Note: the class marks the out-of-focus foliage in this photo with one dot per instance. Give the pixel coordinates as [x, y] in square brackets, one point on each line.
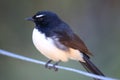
[97, 22]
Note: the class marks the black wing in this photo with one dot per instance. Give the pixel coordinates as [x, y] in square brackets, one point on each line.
[70, 39]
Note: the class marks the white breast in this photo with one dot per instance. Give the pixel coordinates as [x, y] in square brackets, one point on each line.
[47, 47]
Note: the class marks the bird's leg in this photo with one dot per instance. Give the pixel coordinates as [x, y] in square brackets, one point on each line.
[54, 66]
[46, 65]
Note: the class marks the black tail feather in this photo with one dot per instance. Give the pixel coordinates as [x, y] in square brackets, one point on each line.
[90, 67]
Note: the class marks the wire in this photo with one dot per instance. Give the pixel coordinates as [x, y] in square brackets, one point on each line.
[13, 55]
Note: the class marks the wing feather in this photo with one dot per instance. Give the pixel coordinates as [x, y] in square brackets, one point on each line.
[73, 41]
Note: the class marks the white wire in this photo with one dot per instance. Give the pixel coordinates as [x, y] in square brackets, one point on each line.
[13, 55]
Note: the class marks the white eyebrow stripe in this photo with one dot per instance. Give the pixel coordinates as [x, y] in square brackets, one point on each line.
[38, 16]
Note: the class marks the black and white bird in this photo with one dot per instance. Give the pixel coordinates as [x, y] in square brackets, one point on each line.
[55, 40]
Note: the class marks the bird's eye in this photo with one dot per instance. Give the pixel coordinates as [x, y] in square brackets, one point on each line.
[39, 17]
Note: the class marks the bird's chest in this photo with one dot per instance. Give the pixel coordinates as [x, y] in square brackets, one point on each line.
[47, 46]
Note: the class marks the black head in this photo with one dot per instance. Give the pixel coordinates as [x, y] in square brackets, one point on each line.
[45, 18]
[49, 23]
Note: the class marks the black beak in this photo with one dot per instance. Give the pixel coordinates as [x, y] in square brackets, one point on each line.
[29, 19]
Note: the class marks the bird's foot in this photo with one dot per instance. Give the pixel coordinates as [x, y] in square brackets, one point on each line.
[46, 65]
[54, 65]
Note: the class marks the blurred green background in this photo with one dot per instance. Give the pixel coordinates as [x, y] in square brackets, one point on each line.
[97, 22]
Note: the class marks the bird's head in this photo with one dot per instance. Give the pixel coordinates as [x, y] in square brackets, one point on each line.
[45, 18]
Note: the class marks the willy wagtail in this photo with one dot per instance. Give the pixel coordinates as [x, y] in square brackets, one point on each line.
[55, 40]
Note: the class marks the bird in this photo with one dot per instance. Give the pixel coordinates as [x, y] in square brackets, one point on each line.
[54, 38]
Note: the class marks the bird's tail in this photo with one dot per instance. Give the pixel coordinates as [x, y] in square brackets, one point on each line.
[90, 67]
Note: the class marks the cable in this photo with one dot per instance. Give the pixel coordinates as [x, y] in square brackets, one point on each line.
[13, 55]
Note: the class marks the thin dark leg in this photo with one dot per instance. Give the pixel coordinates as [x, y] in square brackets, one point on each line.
[54, 66]
[46, 65]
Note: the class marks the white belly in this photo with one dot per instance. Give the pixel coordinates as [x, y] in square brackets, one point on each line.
[47, 47]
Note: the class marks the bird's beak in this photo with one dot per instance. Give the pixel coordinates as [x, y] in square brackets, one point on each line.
[29, 19]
